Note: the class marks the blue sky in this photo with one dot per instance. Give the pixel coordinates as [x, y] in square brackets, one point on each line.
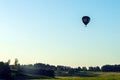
[51, 31]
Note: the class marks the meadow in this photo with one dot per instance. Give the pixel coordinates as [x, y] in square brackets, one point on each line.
[101, 76]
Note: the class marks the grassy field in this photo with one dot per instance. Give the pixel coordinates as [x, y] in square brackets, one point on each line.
[101, 76]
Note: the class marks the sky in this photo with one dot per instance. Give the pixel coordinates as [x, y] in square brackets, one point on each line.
[51, 32]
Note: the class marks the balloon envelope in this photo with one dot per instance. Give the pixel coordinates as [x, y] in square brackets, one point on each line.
[86, 19]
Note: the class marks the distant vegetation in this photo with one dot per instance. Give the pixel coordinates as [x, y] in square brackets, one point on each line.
[40, 70]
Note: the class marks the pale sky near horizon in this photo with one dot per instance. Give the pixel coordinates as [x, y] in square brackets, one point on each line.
[51, 32]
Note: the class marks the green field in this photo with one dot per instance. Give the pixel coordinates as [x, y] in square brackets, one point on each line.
[101, 76]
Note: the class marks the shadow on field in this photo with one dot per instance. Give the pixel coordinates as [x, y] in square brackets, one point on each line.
[87, 74]
[79, 74]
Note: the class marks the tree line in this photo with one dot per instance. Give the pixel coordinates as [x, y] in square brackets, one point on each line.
[12, 72]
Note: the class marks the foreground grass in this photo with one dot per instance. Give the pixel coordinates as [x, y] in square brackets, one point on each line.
[101, 76]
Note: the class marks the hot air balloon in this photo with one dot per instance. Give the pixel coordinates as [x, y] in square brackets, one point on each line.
[85, 20]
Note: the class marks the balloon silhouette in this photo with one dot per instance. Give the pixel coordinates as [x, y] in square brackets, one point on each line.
[85, 20]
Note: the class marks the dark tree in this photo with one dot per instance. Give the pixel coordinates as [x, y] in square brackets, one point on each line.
[5, 72]
[97, 68]
[84, 69]
[111, 68]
